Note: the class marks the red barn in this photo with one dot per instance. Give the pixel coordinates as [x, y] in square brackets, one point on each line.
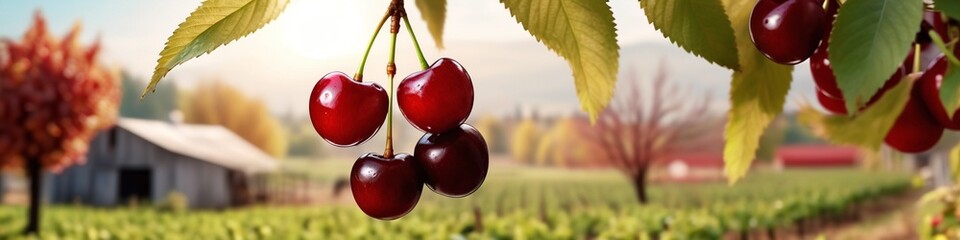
[817, 156]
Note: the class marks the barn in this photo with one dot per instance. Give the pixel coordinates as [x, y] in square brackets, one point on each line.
[817, 156]
[146, 160]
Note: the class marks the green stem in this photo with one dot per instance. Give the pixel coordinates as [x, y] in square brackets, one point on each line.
[416, 44]
[391, 73]
[944, 47]
[363, 62]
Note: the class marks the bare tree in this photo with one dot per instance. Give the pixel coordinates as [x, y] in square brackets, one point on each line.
[640, 128]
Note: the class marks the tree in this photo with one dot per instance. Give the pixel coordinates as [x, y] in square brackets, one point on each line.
[220, 104]
[303, 141]
[642, 127]
[523, 141]
[564, 145]
[771, 139]
[158, 107]
[492, 130]
[54, 97]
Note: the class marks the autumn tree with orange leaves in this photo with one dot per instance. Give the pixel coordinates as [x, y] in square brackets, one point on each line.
[54, 97]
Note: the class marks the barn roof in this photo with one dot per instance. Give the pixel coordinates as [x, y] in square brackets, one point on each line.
[817, 156]
[210, 143]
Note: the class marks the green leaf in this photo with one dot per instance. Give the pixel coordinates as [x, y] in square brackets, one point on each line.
[213, 24]
[583, 33]
[937, 40]
[950, 90]
[434, 12]
[870, 127]
[699, 26]
[949, 7]
[950, 84]
[757, 94]
[870, 40]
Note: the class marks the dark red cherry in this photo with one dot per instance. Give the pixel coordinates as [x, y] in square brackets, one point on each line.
[820, 63]
[916, 129]
[932, 20]
[386, 188]
[454, 162]
[437, 99]
[930, 87]
[834, 105]
[824, 79]
[787, 31]
[346, 112]
[837, 105]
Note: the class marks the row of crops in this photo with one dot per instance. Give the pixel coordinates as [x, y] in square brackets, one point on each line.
[513, 204]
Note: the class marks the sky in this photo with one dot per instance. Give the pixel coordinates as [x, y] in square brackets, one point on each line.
[280, 63]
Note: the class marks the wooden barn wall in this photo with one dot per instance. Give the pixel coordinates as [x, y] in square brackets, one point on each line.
[97, 181]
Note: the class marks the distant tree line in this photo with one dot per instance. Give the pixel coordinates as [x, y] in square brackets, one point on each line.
[215, 103]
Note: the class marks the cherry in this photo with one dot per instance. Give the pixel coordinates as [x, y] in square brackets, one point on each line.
[834, 105]
[437, 99]
[929, 52]
[916, 129]
[837, 105]
[386, 188]
[346, 112]
[787, 31]
[930, 87]
[820, 63]
[454, 162]
[932, 20]
[827, 83]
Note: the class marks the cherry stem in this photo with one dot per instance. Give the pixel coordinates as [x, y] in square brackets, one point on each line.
[363, 62]
[916, 58]
[416, 44]
[945, 47]
[396, 7]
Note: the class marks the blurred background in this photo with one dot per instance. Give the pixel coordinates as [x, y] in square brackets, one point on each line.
[226, 143]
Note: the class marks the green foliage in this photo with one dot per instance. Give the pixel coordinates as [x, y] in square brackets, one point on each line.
[949, 7]
[867, 129]
[434, 12]
[699, 26]
[797, 133]
[174, 202]
[303, 141]
[213, 24]
[159, 106]
[757, 94]
[771, 139]
[583, 33]
[869, 42]
[545, 204]
[950, 90]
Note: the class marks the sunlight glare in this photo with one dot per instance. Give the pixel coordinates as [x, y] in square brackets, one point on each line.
[324, 29]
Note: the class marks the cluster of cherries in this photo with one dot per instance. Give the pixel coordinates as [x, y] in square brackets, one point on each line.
[791, 31]
[451, 158]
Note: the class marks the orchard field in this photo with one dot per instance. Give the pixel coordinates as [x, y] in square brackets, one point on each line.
[514, 203]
